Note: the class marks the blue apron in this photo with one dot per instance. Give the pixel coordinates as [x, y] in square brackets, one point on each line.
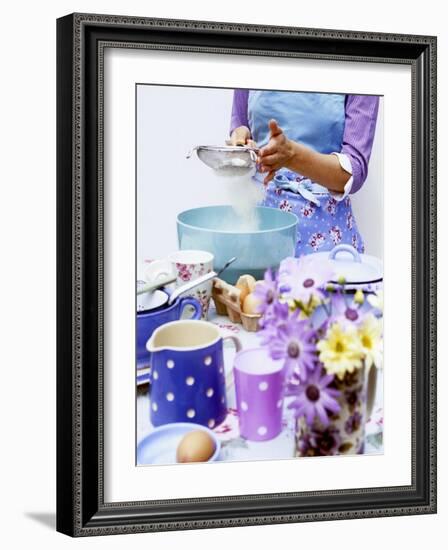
[317, 121]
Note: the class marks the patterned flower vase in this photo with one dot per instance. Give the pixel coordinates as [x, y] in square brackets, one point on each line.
[344, 435]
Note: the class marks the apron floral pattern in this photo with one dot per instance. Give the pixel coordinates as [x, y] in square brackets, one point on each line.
[324, 221]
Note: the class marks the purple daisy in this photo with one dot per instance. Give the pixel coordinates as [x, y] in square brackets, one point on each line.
[274, 318]
[293, 341]
[314, 397]
[301, 278]
[344, 309]
[340, 307]
[266, 292]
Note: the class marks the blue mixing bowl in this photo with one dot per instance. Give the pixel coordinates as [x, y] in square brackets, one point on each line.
[219, 230]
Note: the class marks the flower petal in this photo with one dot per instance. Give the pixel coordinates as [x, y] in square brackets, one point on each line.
[321, 413]
[310, 413]
[330, 404]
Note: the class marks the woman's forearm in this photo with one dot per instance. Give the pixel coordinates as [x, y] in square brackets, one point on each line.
[321, 168]
[281, 152]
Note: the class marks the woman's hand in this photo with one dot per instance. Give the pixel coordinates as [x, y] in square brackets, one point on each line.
[241, 136]
[277, 153]
[281, 152]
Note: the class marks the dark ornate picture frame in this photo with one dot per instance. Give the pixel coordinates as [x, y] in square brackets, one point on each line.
[81, 40]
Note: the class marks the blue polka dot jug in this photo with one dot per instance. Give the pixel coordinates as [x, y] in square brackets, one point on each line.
[187, 373]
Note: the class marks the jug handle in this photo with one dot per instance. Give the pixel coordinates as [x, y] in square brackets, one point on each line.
[371, 390]
[189, 301]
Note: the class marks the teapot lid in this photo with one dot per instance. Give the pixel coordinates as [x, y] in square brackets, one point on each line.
[355, 268]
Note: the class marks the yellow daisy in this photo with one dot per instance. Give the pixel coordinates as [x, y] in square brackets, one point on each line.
[340, 351]
[370, 336]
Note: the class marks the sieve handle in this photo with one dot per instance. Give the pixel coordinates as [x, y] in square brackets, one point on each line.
[188, 155]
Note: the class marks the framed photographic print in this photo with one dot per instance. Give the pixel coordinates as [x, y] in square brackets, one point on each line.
[246, 274]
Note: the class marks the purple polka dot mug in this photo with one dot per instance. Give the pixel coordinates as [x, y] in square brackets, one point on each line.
[259, 394]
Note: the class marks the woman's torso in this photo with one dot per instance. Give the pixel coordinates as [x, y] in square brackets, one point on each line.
[317, 121]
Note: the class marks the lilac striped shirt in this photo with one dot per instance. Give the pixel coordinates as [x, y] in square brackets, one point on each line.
[359, 131]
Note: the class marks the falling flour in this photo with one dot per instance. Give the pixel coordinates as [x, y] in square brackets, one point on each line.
[233, 167]
[243, 195]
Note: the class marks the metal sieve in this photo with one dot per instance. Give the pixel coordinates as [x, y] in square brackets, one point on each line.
[227, 160]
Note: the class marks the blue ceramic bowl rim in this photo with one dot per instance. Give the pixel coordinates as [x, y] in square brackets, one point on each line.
[294, 221]
[194, 427]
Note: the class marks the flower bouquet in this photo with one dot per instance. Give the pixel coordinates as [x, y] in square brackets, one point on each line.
[330, 340]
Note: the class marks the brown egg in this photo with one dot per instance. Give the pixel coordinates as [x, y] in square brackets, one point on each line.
[245, 284]
[251, 304]
[195, 446]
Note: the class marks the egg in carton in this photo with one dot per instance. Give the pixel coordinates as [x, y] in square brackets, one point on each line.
[237, 302]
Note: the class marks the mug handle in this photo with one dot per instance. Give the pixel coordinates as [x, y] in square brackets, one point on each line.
[226, 335]
[371, 390]
[236, 341]
[189, 301]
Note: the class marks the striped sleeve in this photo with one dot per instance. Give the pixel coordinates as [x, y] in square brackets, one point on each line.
[361, 112]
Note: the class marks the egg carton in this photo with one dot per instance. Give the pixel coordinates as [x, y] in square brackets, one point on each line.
[227, 300]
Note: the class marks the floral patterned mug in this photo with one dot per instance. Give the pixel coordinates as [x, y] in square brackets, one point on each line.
[345, 432]
[189, 265]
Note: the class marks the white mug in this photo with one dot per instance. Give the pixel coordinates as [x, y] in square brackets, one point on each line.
[189, 265]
